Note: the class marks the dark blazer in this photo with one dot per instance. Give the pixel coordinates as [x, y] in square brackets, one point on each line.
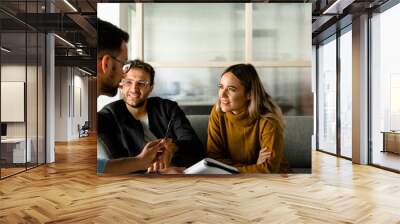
[123, 135]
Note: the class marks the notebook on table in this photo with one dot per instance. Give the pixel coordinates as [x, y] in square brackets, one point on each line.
[210, 166]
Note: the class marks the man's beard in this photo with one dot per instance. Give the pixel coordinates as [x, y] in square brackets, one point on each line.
[136, 106]
[109, 90]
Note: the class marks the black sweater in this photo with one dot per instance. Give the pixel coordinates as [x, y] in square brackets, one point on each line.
[123, 135]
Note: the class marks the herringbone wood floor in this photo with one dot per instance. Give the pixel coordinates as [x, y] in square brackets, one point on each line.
[69, 191]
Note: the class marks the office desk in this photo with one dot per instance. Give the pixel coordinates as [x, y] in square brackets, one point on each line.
[13, 150]
[391, 141]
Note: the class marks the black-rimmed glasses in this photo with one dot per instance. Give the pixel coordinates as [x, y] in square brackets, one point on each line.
[126, 65]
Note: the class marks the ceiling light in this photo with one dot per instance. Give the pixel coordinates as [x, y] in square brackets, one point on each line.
[5, 50]
[331, 7]
[65, 41]
[338, 6]
[70, 5]
[80, 51]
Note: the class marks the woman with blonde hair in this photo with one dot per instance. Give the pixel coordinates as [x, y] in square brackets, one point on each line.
[246, 127]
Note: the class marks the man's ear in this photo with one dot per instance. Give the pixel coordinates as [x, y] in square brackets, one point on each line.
[106, 64]
[151, 88]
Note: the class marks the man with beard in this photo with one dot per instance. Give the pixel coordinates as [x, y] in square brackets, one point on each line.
[137, 120]
[112, 55]
[111, 64]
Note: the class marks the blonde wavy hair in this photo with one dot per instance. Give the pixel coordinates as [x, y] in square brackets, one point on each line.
[261, 103]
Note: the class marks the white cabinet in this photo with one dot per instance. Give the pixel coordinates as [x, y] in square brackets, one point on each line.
[16, 147]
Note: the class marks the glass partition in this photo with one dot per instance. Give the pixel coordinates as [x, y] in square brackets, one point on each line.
[41, 97]
[31, 98]
[194, 32]
[287, 38]
[189, 51]
[346, 94]
[290, 88]
[22, 92]
[327, 96]
[385, 89]
[189, 86]
[133, 31]
[14, 153]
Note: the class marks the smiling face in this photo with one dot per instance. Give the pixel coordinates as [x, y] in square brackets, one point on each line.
[136, 87]
[231, 94]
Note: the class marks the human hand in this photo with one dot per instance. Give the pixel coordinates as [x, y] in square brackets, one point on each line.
[172, 170]
[164, 157]
[263, 155]
[149, 152]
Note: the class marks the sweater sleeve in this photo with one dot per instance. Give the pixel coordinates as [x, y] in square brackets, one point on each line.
[272, 138]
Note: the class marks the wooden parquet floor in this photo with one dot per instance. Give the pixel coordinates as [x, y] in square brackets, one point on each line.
[69, 191]
[10, 171]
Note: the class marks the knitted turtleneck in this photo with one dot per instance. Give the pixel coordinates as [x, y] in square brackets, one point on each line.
[235, 139]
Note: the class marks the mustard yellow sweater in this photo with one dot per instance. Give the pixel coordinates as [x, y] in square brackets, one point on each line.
[236, 140]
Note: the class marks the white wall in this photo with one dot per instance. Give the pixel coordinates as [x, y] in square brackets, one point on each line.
[17, 73]
[61, 107]
[33, 127]
[80, 102]
[14, 73]
[71, 97]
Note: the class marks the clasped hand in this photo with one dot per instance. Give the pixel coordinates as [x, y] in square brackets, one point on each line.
[263, 155]
[164, 155]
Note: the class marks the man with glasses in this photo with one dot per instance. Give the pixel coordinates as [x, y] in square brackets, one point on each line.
[111, 64]
[138, 119]
[111, 57]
